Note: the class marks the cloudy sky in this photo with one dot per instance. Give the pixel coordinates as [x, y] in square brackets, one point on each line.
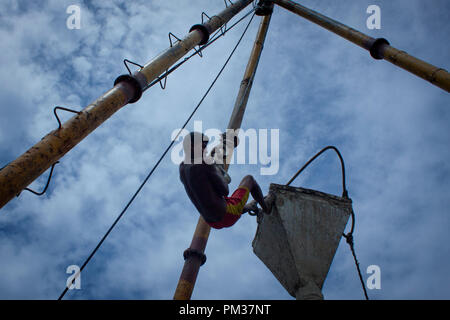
[391, 127]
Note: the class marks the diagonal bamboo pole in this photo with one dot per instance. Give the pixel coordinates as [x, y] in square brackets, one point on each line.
[194, 256]
[379, 48]
[19, 173]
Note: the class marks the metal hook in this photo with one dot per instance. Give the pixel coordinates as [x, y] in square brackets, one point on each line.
[125, 61]
[226, 2]
[171, 35]
[163, 86]
[170, 38]
[222, 29]
[205, 15]
[65, 109]
[199, 52]
[46, 186]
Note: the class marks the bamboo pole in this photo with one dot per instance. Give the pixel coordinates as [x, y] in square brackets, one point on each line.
[19, 173]
[379, 48]
[194, 255]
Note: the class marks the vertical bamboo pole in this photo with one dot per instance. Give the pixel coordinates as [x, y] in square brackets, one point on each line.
[194, 256]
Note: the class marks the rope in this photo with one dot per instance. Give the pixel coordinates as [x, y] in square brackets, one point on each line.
[160, 159]
[349, 236]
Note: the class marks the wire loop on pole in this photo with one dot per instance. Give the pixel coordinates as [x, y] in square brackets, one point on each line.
[126, 61]
[46, 185]
[65, 109]
[226, 2]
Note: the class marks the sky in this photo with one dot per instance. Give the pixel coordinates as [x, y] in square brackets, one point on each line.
[316, 88]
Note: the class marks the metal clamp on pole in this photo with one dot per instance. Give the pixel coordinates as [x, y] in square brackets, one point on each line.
[203, 30]
[264, 8]
[196, 253]
[377, 48]
[132, 86]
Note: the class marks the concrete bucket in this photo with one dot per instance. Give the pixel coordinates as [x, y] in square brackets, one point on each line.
[299, 238]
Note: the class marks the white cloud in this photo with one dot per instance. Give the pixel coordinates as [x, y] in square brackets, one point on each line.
[318, 89]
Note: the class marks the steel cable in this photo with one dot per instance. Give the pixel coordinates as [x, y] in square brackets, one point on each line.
[348, 236]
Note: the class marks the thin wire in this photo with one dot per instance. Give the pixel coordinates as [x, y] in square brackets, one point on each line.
[160, 159]
[348, 236]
